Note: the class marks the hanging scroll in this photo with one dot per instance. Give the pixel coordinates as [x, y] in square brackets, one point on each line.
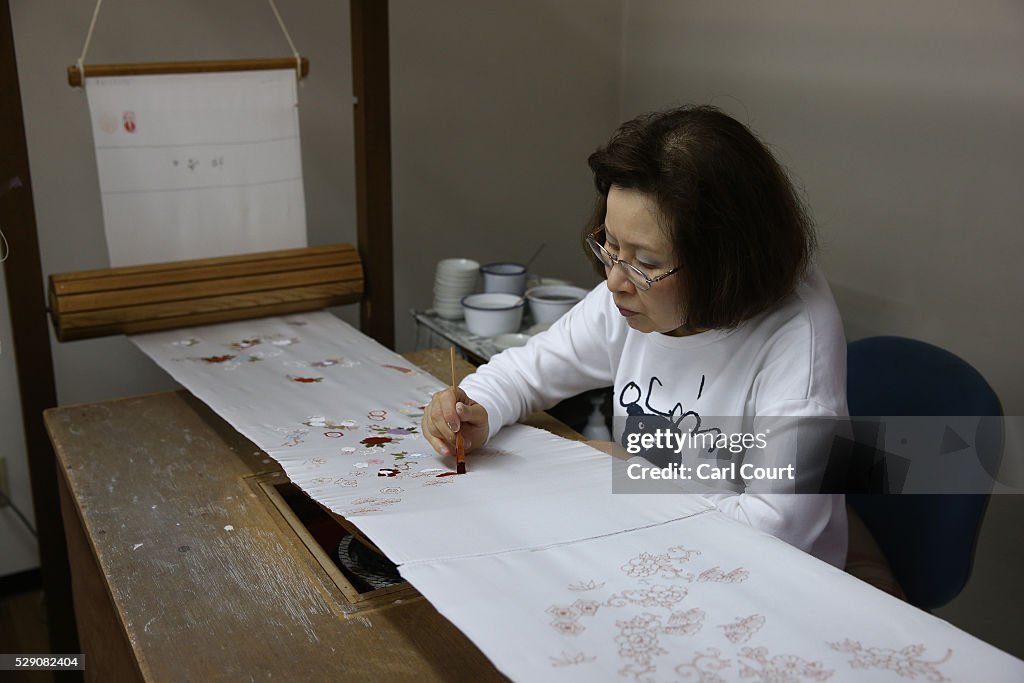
[198, 164]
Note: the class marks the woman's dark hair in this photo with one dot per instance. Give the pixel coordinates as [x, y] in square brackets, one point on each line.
[737, 227]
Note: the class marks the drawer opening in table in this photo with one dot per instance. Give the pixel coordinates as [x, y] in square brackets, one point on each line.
[359, 570]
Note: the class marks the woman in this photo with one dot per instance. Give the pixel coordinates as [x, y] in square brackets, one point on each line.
[710, 307]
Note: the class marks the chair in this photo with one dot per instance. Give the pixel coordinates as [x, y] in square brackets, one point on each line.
[929, 539]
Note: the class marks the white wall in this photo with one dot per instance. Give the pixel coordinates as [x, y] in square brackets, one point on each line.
[903, 123]
[495, 107]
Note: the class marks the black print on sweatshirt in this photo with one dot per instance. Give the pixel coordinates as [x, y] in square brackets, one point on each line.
[647, 419]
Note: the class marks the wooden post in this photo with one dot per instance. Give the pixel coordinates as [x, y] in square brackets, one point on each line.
[373, 165]
[26, 302]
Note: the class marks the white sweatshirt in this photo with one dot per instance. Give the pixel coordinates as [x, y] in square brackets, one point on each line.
[790, 361]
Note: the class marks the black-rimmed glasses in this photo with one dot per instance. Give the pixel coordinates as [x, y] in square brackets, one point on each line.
[639, 278]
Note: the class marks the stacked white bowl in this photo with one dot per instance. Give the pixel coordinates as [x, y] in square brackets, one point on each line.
[454, 279]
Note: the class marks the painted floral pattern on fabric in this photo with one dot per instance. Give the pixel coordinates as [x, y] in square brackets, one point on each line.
[907, 662]
[660, 615]
[644, 638]
[763, 666]
[742, 630]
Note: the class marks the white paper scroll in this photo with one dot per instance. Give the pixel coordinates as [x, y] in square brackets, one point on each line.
[703, 599]
[530, 553]
[198, 165]
[341, 413]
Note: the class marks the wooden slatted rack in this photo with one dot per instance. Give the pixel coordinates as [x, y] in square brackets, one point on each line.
[162, 296]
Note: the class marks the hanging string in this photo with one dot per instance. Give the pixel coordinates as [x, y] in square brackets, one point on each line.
[284, 29]
[273, 6]
[88, 38]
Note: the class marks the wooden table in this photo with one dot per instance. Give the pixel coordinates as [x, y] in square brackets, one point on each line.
[183, 568]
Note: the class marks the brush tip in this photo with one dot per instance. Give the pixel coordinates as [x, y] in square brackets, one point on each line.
[460, 468]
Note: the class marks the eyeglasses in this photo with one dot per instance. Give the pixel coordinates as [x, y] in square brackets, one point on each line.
[638, 277]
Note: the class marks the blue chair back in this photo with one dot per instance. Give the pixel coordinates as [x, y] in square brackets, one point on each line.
[929, 539]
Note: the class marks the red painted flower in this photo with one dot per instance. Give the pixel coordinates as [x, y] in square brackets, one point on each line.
[218, 359]
[376, 441]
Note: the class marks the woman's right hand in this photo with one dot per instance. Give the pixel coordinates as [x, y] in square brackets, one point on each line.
[451, 411]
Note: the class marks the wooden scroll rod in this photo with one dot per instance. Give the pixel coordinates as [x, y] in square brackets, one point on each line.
[75, 75]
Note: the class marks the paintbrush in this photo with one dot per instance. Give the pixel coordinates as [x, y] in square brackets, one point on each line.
[460, 450]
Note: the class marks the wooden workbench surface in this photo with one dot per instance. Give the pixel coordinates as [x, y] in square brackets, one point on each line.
[183, 570]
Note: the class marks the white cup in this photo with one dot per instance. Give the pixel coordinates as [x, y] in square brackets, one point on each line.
[508, 278]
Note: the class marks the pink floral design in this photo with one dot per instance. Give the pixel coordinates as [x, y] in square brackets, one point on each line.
[665, 564]
[654, 596]
[704, 667]
[586, 586]
[374, 500]
[638, 638]
[568, 628]
[906, 663]
[742, 630]
[563, 612]
[716, 575]
[569, 660]
[780, 668]
[586, 608]
[566, 618]
[685, 623]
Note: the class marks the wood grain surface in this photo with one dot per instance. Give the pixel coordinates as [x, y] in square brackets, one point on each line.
[160, 296]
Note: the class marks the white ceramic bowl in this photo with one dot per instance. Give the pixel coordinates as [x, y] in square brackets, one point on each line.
[455, 280]
[549, 303]
[504, 277]
[457, 266]
[491, 314]
[507, 341]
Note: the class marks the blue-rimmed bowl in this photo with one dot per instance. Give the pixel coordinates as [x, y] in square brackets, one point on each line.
[493, 313]
[548, 303]
[504, 277]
